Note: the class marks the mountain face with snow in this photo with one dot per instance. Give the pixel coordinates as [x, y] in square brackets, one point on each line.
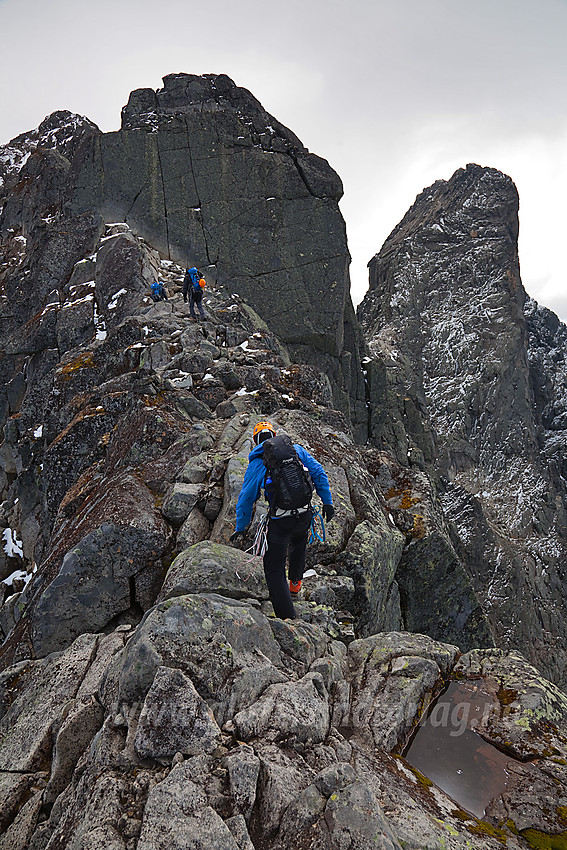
[148, 697]
[476, 382]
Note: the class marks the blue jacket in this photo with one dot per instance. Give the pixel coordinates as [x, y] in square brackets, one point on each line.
[254, 479]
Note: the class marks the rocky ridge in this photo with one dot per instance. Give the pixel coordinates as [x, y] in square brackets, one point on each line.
[148, 697]
[203, 173]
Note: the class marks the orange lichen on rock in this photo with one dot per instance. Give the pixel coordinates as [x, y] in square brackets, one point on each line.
[83, 361]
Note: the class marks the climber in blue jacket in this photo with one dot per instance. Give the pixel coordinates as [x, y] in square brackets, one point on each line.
[287, 530]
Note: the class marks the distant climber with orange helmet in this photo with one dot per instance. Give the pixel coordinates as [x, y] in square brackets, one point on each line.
[288, 473]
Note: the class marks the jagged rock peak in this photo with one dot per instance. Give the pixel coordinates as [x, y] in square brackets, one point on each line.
[473, 375]
[475, 202]
[56, 129]
[182, 91]
[450, 264]
[62, 131]
[190, 92]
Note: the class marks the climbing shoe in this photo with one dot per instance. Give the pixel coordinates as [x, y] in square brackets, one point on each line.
[295, 588]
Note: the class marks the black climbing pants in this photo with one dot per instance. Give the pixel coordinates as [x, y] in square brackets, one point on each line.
[287, 536]
[196, 298]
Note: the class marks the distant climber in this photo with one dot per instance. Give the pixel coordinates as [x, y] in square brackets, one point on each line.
[193, 286]
[287, 472]
[158, 291]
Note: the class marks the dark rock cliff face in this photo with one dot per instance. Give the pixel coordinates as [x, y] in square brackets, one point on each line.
[473, 374]
[209, 178]
[148, 696]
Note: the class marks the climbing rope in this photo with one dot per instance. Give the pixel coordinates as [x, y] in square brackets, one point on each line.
[317, 530]
[258, 548]
[260, 544]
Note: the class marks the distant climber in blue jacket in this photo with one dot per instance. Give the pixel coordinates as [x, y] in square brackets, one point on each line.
[193, 286]
[280, 467]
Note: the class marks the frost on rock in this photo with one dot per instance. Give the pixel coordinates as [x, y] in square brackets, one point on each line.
[99, 324]
[113, 303]
[12, 160]
[15, 576]
[483, 371]
[74, 303]
[61, 131]
[12, 546]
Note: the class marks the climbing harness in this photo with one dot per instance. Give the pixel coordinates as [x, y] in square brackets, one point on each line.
[258, 548]
[260, 544]
[317, 530]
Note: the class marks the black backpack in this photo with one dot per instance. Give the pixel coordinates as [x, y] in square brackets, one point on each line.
[287, 483]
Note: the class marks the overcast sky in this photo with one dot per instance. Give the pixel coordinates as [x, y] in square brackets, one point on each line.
[394, 93]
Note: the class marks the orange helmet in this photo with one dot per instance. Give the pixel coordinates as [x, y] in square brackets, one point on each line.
[263, 431]
[202, 283]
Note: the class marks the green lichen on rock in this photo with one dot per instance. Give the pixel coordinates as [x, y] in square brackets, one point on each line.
[533, 711]
[544, 841]
[483, 828]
